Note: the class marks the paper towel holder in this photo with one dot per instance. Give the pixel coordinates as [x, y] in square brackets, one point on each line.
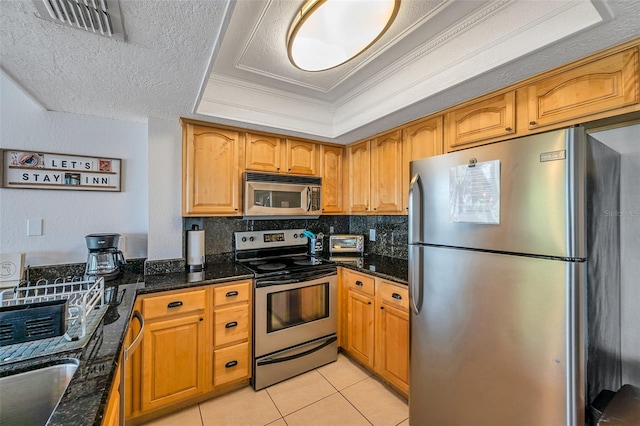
[196, 261]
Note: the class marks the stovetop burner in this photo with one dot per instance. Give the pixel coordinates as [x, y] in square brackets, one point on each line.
[257, 262]
[271, 266]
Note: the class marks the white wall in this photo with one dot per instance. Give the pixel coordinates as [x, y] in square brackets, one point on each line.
[70, 215]
[165, 189]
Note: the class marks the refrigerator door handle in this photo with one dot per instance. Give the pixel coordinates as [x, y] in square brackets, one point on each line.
[415, 210]
[415, 278]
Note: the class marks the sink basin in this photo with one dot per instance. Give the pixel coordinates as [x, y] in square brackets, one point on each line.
[29, 397]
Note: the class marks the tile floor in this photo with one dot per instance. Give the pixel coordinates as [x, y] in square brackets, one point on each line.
[340, 393]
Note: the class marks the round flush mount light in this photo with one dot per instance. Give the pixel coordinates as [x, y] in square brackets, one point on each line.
[328, 33]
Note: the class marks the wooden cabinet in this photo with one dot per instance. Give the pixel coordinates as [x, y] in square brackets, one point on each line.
[392, 334]
[272, 154]
[386, 173]
[112, 409]
[479, 122]
[420, 140]
[231, 333]
[359, 316]
[374, 326]
[211, 171]
[375, 175]
[359, 177]
[332, 165]
[595, 87]
[174, 348]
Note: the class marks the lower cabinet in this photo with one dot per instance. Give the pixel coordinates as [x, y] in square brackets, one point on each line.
[112, 409]
[196, 344]
[375, 326]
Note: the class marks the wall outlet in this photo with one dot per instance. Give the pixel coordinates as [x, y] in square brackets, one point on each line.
[331, 229]
[372, 234]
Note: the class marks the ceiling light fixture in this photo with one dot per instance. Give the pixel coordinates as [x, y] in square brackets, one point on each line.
[328, 33]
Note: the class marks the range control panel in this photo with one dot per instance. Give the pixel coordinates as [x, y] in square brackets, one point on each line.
[252, 240]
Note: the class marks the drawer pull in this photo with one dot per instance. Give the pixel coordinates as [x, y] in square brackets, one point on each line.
[231, 293]
[175, 304]
[396, 296]
[231, 324]
[231, 364]
[359, 283]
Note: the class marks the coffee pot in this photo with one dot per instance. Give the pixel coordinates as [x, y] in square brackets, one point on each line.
[104, 259]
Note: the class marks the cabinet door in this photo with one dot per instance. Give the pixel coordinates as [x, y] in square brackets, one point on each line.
[359, 177]
[331, 170]
[420, 140]
[112, 409]
[302, 157]
[473, 124]
[386, 173]
[263, 153]
[173, 361]
[211, 171]
[392, 346]
[596, 87]
[360, 327]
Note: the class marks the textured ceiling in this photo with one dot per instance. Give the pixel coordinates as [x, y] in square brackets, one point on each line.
[226, 62]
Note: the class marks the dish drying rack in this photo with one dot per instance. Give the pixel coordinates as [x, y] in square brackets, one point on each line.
[82, 295]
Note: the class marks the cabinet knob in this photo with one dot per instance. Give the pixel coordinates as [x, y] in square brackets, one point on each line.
[375, 208]
[288, 170]
[278, 168]
[382, 307]
[532, 123]
[368, 303]
[201, 319]
[508, 129]
[236, 209]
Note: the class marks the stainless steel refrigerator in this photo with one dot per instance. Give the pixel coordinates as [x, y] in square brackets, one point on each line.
[514, 282]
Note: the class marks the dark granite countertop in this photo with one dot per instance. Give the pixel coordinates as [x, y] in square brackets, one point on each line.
[389, 268]
[86, 396]
[85, 399]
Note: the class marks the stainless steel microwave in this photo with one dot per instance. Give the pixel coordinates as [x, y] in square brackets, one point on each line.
[269, 194]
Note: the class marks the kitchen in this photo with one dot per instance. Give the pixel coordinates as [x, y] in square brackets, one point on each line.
[148, 211]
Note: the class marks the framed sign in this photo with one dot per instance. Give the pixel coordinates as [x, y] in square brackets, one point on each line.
[46, 170]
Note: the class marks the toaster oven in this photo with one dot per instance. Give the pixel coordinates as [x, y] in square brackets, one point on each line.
[346, 243]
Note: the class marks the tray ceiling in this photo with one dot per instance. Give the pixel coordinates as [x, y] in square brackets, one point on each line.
[226, 61]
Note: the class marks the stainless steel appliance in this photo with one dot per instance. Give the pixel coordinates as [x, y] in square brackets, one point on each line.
[268, 194]
[104, 259]
[295, 305]
[346, 243]
[514, 282]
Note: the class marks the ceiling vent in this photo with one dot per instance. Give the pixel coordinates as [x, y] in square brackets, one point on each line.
[101, 17]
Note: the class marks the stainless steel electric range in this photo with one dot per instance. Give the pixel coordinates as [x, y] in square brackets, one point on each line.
[295, 304]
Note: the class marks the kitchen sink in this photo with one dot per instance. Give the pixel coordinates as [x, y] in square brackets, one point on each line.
[29, 397]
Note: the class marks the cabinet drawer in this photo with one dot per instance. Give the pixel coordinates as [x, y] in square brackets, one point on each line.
[361, 283]
[231, 364]
[394, 295]
[231, 325]
[234, 293]
[173, 304]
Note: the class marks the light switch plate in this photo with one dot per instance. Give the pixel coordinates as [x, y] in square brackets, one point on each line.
[34, 227]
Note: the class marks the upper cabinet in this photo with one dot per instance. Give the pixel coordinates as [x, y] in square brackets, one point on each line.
[332, 171]
[420, 140]
[375, 175]
[359, 177]
[475, 123]
[272, 154]
[386, 173]
[211, 171]
[593, 88]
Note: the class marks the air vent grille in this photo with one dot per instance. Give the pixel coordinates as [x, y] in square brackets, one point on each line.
[101, 17]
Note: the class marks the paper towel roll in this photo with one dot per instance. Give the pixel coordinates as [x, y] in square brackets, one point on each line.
[195, 248]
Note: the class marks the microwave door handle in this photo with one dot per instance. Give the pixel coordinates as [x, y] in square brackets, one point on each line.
[308, 198]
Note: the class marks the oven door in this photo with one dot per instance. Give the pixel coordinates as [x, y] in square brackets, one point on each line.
[293, 311]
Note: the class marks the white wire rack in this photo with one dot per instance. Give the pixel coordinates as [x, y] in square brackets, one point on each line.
[82, 297]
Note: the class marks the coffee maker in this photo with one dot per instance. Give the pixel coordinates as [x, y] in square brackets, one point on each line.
[104, 260]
